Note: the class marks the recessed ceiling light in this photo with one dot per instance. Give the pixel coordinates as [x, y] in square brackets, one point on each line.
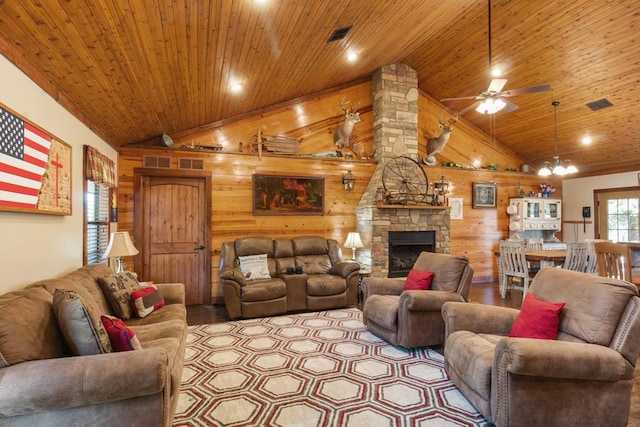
[496, 72]
[352, 56]
[587, 140]
[236, 87]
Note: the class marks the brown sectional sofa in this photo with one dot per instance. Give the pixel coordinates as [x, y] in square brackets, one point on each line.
[44, 385]
[323, 279]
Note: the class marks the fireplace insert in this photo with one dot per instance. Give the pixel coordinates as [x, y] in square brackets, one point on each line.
[405, 247]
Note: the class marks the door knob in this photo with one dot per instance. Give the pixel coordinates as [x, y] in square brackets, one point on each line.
[198, 248]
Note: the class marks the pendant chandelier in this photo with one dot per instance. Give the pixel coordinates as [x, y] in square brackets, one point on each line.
[556, 167]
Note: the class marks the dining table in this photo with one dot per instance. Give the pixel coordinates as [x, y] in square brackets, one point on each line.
[555, 256]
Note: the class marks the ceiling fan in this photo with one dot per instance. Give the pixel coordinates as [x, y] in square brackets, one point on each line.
[491, 100]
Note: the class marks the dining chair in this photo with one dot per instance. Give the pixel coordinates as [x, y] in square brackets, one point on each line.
[614, 260]
[592, 263]
[514, 271]
[577, 258]
[535, 244]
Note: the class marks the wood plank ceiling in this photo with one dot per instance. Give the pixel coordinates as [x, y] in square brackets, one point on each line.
[133, 69]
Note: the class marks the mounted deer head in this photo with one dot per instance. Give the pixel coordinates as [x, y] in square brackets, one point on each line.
[436, 145]
[342, 134]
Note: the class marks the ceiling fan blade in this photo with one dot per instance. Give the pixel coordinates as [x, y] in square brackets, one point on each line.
[529, 89]
[509, 107]
[496, 85]
[459, 98]
[469, 108]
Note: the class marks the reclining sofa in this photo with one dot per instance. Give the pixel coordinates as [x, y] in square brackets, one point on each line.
[43, 384]
[304, 273]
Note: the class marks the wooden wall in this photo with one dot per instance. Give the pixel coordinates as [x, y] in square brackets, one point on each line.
[312, 121]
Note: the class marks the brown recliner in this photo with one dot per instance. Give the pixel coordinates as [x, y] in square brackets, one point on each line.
[412, 318]
[584, 378]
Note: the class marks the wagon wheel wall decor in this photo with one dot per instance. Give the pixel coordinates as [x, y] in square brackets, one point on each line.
[405, 182]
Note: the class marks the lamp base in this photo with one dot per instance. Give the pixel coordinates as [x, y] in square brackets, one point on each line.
[353, 254]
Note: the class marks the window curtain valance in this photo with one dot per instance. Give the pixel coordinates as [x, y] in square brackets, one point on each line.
[98, 167]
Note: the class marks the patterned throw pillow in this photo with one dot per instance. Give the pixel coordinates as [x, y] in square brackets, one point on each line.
[80, 324]
[146, 301]
[122, 337]
[118, 288]
[254, 267]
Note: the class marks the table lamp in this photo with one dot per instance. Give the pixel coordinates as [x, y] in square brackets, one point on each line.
[354, 242]
[120, 246]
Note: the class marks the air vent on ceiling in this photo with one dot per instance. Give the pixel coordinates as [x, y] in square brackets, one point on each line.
[339, 34]
[186, 163]
[156, 162]
[599, 104]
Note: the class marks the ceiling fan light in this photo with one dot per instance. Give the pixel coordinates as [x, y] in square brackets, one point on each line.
[491, 106]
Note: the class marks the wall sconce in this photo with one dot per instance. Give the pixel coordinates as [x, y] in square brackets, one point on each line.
[120, 246]
[354, 242]
[349, 182]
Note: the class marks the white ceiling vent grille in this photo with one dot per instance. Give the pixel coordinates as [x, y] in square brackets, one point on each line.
[156, 162]
[187, 163]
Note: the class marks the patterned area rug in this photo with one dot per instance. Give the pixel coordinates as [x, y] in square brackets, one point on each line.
[313, 369]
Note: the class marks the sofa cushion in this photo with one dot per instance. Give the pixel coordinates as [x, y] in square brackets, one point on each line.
[418, 280]
[264, 290]
[537, 319]
[320, 285]
[80, 324]
[118, 288]
[254, 267]
[146, 301]
[383, 310]
[314, 264]
[470, 356]
[28, 327]
[121, 336]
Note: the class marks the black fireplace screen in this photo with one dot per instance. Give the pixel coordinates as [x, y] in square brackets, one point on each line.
[405, 247]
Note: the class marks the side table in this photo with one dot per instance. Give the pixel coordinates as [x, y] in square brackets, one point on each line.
[363, 274]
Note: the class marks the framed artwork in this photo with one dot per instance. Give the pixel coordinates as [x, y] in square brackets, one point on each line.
[455, 203]
[288, 195]
[35, 168]
[485, 195]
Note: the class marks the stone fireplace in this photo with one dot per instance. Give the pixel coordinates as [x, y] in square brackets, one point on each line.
[405, 247]
[395, 133]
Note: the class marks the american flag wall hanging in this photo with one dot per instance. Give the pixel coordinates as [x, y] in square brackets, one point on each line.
[35, 168]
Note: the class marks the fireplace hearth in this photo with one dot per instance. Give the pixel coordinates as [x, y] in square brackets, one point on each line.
[405, 247]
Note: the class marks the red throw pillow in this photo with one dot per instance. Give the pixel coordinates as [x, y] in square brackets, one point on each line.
[418, 280]
[537, 319]
[122, 338]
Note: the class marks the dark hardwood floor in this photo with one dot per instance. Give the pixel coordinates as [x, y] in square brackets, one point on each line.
[481, 293]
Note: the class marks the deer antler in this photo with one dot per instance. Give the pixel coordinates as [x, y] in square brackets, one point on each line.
[342, 104]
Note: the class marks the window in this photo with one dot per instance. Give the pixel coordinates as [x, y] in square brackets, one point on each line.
[97, 222]
[622, 220]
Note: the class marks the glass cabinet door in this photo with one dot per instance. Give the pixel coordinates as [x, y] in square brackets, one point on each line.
[533, 209]
[551, 210]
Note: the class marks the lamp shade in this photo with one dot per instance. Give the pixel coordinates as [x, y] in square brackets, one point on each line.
[353, 241]
[120, 244]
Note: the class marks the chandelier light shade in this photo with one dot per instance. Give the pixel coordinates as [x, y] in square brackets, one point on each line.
[354, 242]
[120, 246]
[556, 167]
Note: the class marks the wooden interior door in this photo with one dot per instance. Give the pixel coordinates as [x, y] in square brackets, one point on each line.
[172, 227]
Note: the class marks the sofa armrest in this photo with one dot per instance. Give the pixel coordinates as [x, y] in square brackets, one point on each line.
[382, 286]
[344, 268]
[233, 274]
[478, 318]
[560, 359]
[172, 293]
[51, 384]
[427, 300]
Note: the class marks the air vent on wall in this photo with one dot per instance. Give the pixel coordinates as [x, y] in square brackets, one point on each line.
[186, 163]
[339, 34]
[156, 162]
[599, 104]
